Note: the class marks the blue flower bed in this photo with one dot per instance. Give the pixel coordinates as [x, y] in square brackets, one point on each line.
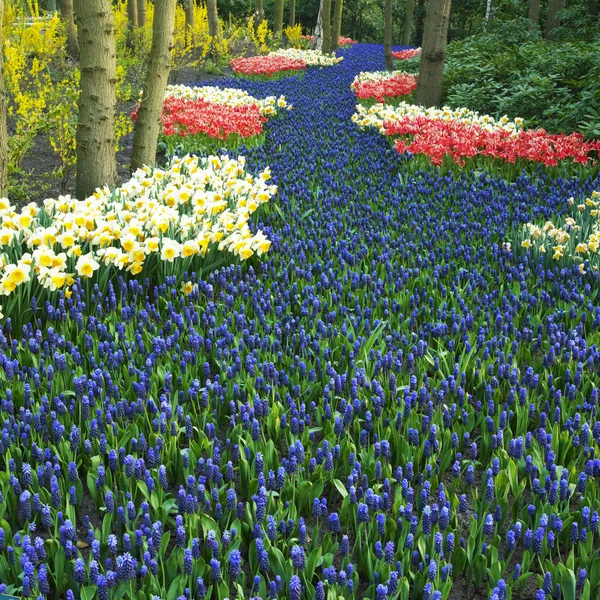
[389, 405]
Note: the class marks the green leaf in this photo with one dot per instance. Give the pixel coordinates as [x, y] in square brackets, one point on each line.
[176, 587]
[88, 592]
[567, 583]
[340, 487]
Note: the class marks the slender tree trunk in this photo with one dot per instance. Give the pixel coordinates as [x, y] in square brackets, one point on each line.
[592, 6]
[488, 10]
[132, 22]
[66, 13]
[292, 13]
[408, 22]
[96, 160]
[3, 132]
[419, 21]
[213, 17]
[326, 26]
[387, 35]
[141, 12]
[189, 22]
[319, 28]
[51, 4]
[148, 123]
[553, 20]
[534, 14]
[429, 87]
[336, 27]
[278, 18]
[259, 13]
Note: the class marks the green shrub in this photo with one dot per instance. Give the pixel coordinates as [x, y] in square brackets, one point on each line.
[510, 70]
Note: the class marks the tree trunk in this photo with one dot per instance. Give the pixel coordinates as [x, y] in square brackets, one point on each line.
[534, 14]
[278, 18]
[336, 27]
[213, 17]
[592, 7]
[189, 22]
[148, 123]
[408, 22]
[387, 35]
[259, 13]
[51, 4]
[431, 69]
[3, 132]
[488, 10]
[319, 28]
[66, 13]
[326, 26]
[292, 13]
[96, 160]
[420, 7]
[141, 12]
[132, 22]
[553, 21]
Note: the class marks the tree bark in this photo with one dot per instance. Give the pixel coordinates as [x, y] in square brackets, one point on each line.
[51, 4]
[3, 132]
[488, 10]
[292, 13]
[96, 160]
[326, 26]
[132, 22]
[148, 123]
[387, 35]
[213, 17]
[336, 27]
[141, 13]
[429, 87]
[319, 28]
[278, 18]
[553, 20]
[259, 13]
[408, 22]
[592, 7]
[534, 14]
[66, 13]
[189, 22]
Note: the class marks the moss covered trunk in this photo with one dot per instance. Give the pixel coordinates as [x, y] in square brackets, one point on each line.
[141, 10]
[292, 13]
[96, 161]
[147, 125]
[132, 22]
[278, 18]
[553, 20]
[429, 87]
[189, 22]
[408, 22]
[534, 14]
[387, 35]
[336, 26]
[68, 19]
[326, 26]
[213, 17]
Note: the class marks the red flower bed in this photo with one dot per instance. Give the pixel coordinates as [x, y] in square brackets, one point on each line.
[436, 138]
[266, 66]
[401, 84]
[184, 117]
[406, 54]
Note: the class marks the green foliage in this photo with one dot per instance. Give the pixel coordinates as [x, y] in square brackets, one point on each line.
[511, 71]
